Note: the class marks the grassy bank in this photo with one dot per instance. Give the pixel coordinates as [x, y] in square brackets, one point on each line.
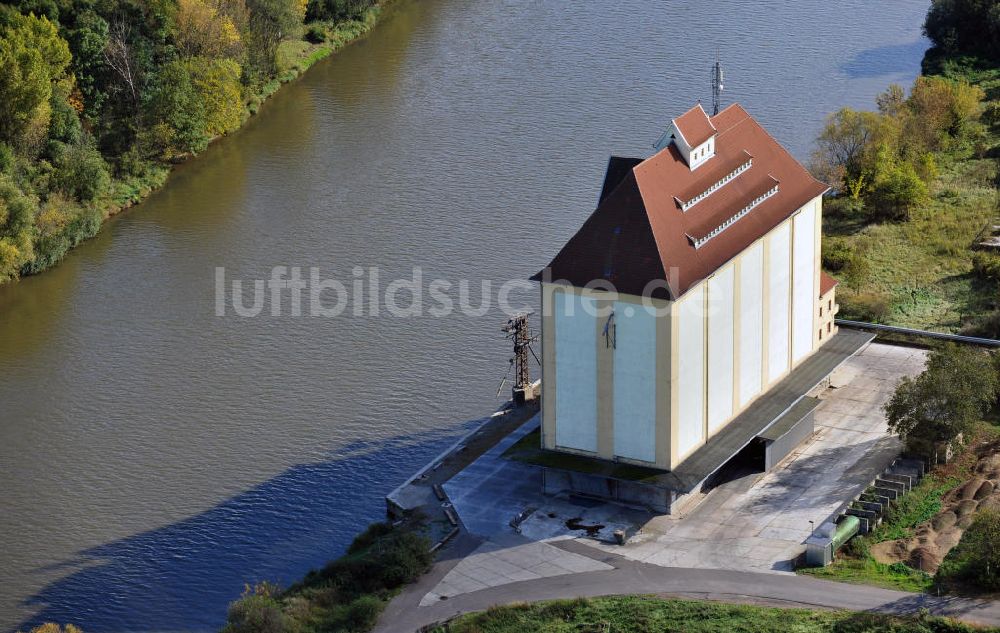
[640, 614]
[347, 594]
[922, 270]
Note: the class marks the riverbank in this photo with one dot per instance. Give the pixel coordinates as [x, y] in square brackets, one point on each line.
[350, 592]
[62, 195]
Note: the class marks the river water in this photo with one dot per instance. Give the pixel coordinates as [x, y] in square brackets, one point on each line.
[155, 456]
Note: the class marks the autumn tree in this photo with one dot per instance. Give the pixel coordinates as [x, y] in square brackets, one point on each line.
[217, 82]
[204, 30]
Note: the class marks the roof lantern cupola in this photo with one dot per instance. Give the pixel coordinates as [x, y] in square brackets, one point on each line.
[694, 136]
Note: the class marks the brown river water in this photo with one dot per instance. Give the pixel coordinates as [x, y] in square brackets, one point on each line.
[155, 456]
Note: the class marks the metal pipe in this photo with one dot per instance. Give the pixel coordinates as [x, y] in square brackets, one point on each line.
[943, 336]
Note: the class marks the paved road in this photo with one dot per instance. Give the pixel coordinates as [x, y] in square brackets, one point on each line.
[403, 615]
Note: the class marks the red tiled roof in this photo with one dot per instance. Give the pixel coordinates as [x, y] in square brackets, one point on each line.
[826, 283]
[695, 126]
[640, 234]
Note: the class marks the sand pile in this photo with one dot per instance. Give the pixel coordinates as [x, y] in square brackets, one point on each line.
[933, 539]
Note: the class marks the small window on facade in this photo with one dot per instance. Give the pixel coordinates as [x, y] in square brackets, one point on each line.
[821, 310]
[828, 326]
[821, 334]
[829, 304]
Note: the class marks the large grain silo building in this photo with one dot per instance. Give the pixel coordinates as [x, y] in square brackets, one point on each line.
[717, 325]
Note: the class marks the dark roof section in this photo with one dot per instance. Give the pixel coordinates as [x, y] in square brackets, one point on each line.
[611, 245]
[695, 126]
[615, 244]
[618, 168]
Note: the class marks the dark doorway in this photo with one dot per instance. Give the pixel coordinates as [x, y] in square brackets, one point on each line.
[746, 466]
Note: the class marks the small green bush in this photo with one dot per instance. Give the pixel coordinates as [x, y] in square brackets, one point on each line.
[258, 611]
[363, 612]
[7, 158]
[80, 171]
[872, 307]
[975, 561]
[986, 265]
[315, 34]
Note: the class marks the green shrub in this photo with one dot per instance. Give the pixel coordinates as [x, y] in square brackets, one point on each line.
[872, 307]
[315, 34]
[371, 534]
[64, 124]
[363, 612]
[257, 611]
[837, 254]
[389, 562]
[976, 559]
[986, 265]
[898, 194]
[80, 171]
[7, 158]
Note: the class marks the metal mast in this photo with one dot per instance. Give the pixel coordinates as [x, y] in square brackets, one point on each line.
[717, 86]
[518, 331]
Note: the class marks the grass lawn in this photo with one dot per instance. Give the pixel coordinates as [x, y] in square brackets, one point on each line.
[855, 563]
[919, 272]
[641, 614]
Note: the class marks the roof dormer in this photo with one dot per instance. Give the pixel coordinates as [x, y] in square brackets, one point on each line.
[694, 136]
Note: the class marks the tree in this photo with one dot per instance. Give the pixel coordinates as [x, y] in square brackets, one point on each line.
[17, 214]
[32, 57]
[953, 393]
[892, 101]
[897, 193]
[846, 144]
[942, 108]
[80, 171]
[217, 82]
[88, 39]
[269, 21]
[25, 87]
[176, 106]
[970, 27]
[203, 30]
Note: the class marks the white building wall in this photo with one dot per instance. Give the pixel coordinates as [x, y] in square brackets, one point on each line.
[751, 335]
[779, 286]
[635, 382]
[691, 371]
[720, 348]
[576, 371]
[804, 294]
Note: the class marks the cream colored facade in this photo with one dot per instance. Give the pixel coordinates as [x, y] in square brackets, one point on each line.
[658, 379]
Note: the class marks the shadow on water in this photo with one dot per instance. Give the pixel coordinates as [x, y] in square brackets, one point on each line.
[886, 60]
[182, 576]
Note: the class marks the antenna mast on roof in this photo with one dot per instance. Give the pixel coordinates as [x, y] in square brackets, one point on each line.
[717, 86]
